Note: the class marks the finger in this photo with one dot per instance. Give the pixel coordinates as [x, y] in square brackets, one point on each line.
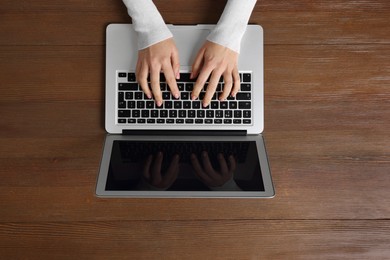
[148, 163]
[236, 82]
[175, 61]
[228, 84]
[142, 78]
[202, 79]
[197, 65]
[170, 79]
[212, 86]
[155, 84]
[199, 170]
[156, 169]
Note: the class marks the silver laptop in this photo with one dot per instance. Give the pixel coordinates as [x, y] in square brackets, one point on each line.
[182, 149]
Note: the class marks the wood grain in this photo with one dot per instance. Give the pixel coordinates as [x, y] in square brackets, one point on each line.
[327, 110]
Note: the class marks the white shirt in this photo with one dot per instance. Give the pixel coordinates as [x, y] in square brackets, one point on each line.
[151, 28]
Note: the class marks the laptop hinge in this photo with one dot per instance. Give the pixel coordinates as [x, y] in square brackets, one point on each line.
[186, 132]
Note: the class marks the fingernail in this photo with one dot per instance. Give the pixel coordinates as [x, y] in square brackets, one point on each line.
[205, 104]
[177, 96]
[159, 103]
[194, 97]
[178, 75]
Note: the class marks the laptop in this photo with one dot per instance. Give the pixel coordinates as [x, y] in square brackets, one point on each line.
[182, 150]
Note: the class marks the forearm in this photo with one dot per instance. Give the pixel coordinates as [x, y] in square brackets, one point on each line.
[147, 22]
[232, 24]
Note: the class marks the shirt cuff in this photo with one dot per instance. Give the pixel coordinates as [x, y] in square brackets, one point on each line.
[232, 25]
[147, 22]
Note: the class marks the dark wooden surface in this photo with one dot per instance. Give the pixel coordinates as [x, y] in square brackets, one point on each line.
[327, 121]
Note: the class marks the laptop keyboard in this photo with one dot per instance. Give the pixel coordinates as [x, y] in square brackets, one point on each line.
[135, 108]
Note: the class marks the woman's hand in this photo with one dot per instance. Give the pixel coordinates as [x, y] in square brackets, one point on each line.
[214, 61]
[162, 56]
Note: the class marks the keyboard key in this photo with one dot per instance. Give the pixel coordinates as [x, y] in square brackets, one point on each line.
[223, 104]
[243, 96]
[179, 121]
[128, 86]
[163, 113]
[191, 113]
[135, 113]
[198, 121]
[232, 104]
[160, 121]
[170, 121]
[246, 77]
[187, 104]
[246, 113]
[210, 113]
[214, 104]
[244, 105]
[246, 121]
[185, 77]
[138, 95]
[245, 87]
[130, 104]
[168, 104]
[121, 121]
[196, 104]
[189, 87]
[150, 104]
[129, 95]
[228, 114]
[166, 95]
[154, 113]
[131, 77]
[123, 113]
[177, 104]
[141, 104]
[172, 113]
[200, 113]
[122, 74]
[218, 113]
[182, 113]
[151, 121]
[145, 113]
[237, 113]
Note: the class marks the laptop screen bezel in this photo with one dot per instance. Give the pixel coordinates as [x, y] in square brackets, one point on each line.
[107, 152]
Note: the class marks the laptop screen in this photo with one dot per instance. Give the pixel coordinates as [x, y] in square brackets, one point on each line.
[184, 166]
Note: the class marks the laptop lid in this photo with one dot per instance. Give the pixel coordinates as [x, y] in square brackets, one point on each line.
[184, 167]
[122, 54]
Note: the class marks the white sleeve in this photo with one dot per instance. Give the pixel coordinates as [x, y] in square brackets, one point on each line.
[147, 22]
[232, 24]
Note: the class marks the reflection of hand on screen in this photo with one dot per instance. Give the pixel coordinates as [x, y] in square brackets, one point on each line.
[210, 176]
[153, 176]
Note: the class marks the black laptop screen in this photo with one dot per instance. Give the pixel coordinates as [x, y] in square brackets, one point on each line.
[184, 166]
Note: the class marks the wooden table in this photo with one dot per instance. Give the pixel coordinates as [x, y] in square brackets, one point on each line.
[327, 121]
